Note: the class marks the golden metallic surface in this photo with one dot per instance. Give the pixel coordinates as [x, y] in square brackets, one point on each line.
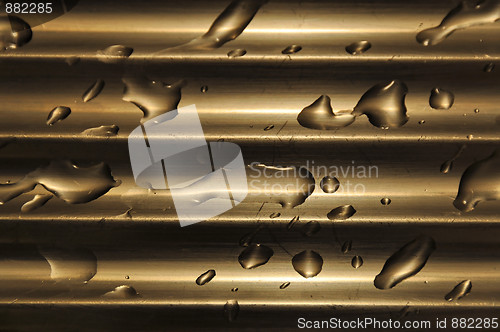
[62, 264]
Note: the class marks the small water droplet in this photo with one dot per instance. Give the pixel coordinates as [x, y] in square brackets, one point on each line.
[106, 131]
[72, 60]
[385, 201]
[122, 292]
[406, 262]
[93, 91]
[441, 99]
[465, 15]
[470, 137]
[319, 115]
[37, 202]
[234, 289]
[476, 110]
[236, 53]
[479, 182]
[127, 277]
[346, 247]
[459, 291]
[58, 114]
[231, 310]
[284, 285]
[307, 263]
[341, 213]
[311, 228]
[204, 88]
[421, 122]
[114, 53]
[358, 47]
[384, 104]
[274, 215]
[205, 277]
[292, 222]
[329, 184]
[14, 32]
[255, 255]
[356, 262]
[488, 68]
[291, 49]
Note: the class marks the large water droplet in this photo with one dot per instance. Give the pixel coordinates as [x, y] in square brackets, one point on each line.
[231, 310]
[341, 213]
[106, 131]
[346, 246]
[465, 15]
[205, 277]
[152, 97]
[236, 53]
[320, 115]
[255, 255]
[384, 104]
[406, 262]
[65, 180]
[122, 292]
[291, 49]
[36, 202]
[57, 114]
[14, 32]
[93, 91]
[114, 53]
[307, 263]
[358, 47]
[479, 182]
[356, 262]
[459, 291]
[329, 184]
[441, 99]
[70, 265]
[311, 228]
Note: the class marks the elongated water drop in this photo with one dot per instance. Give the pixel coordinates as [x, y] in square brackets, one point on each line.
[292, 222]
[291, 49]
[341, 213]
[37, 202]
[122, 292]
[236, 53]
[114, 53]
[93, 91]
[311, 228]
[284, 285]
[319, 115]
[459, 291]
[105, 131]
[205, 277]
[58, 114]
[231, 310]
[359, 47]
[356, 262]
[307, 263]
[346, 247]
[488, 68]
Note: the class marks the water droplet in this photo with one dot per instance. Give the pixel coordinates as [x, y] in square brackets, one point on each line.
[470, 137]
[66, 181]
[384, 104]
[105, 131]
[447, 166]
[57, 114]
[421, 122]
[488, 68]
[204, 89]
[231, 310]
[307, 263]
[14, 32]
[247, 239]
[479, 182]
[127, 277]
[319, 115]
[255, 255]
[465, 15]
[406, 262]
[114, 53]
[122, 292]
[205, 277]
[358, 47]
[476, 110]
[441, 99]
[274, 215]
[311, 228]
[292, 222]
[269, 127]
[236, 53]
[93, 91]
[291, 49]
[385, 201]
[153, 98]
[284, 285]
[70, 265]
[459, 291]
[72, 60]
[346, 247]
[226, 27]
[329, 184]
[37, 202]
[356, 262]
[341, 213]
[235, 289]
